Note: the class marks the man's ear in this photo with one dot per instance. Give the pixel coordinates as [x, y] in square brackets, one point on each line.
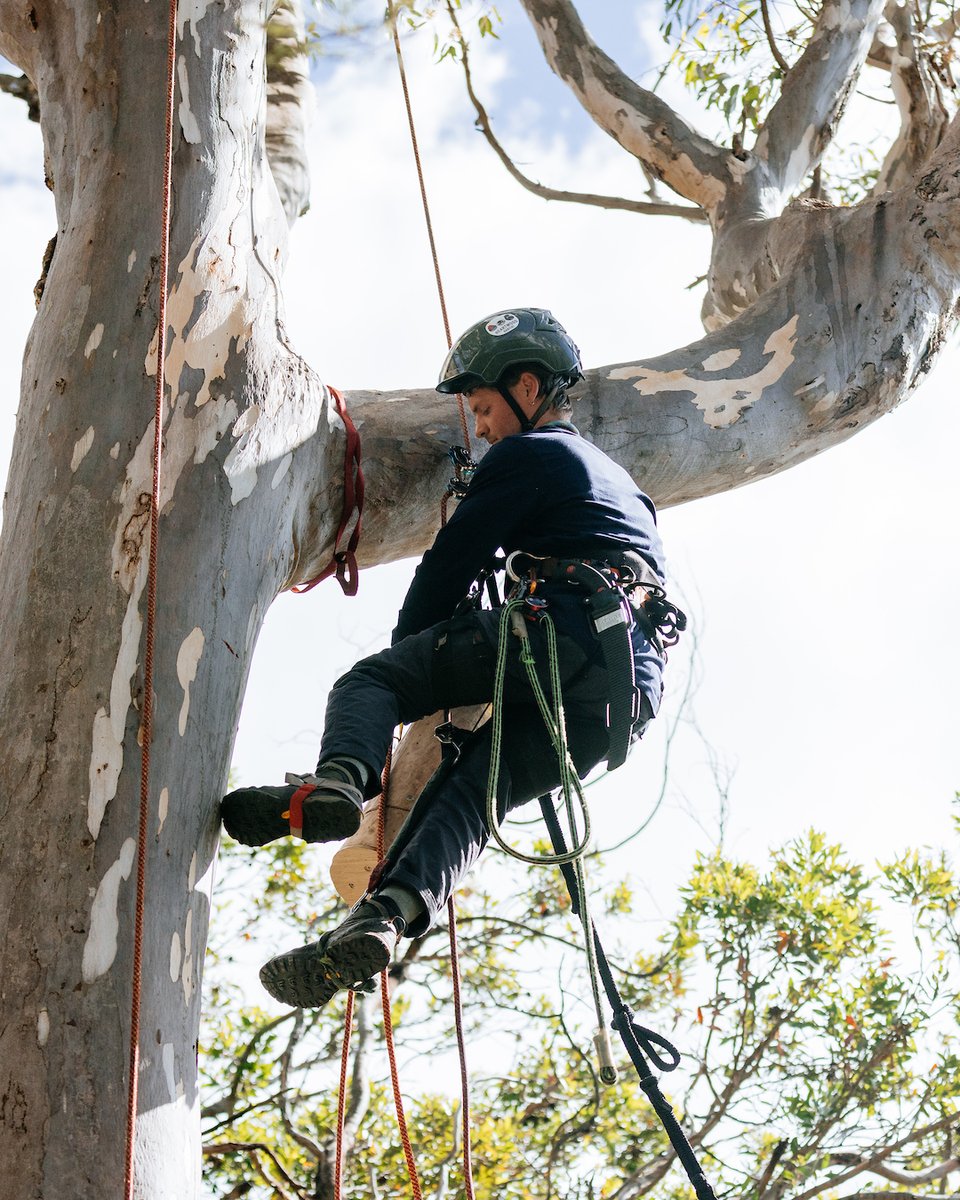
[530, 386]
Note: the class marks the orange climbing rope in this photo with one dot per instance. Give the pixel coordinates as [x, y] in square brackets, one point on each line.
[342, 1105]
[426, 205]
[385, 1003]
[451, 913]
[146, 724]
[385, 785]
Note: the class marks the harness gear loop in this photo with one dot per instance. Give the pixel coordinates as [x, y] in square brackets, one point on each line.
[344, 562]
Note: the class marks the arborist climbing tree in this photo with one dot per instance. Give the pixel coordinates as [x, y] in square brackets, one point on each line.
[583, 550]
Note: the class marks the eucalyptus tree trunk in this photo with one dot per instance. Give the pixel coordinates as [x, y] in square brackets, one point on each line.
[247, 423]
[808, 344]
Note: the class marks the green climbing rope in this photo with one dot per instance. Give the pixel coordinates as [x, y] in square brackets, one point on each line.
[512, 620]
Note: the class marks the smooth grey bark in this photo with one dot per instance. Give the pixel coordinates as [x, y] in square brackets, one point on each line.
[920, 95]
[836, 333]
[841, 339]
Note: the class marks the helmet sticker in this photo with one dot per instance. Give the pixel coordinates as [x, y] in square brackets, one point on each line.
[501, 324]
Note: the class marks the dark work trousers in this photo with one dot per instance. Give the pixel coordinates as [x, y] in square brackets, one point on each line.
[450, 665]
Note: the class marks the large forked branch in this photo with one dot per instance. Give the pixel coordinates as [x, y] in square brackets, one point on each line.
[818, 356]
[815, 90]
[644, 207]
[641, 122]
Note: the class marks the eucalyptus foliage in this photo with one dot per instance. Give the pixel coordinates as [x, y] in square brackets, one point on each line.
[815, 1002]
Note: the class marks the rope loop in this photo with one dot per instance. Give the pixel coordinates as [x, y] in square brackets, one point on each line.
[512, 619]
[648, 1040]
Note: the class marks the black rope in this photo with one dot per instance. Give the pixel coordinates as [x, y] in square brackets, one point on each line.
[642, 1045]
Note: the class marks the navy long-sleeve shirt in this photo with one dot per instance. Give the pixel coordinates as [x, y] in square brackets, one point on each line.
[552, 493]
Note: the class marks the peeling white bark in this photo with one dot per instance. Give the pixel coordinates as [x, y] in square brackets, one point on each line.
[94, 340]
[722, 401]
[176, 956]
[101, 947]
[82, 448]
[188, 657]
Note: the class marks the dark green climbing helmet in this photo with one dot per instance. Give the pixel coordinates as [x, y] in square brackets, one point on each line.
[480, 356]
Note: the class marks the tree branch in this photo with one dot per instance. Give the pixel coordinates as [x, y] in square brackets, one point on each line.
[23, 88]
[227, 1106]
[359, 1097]
[644, 207]
[289, 92]
[218, 1149]
[815, 90]
[901, 1195]
[315, 1151]
[641, 122]
[919, 95]
[907, 1178]
[19, 34]
[870, 1164]
[443, 1172]
[771, 40]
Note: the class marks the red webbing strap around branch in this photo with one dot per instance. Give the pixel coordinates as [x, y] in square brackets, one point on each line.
[344, 562]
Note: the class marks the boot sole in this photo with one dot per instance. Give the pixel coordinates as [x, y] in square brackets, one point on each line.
[254, 819]
[310, 977]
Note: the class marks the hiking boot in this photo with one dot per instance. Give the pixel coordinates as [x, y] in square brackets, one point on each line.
[349, 957]
[318, 808]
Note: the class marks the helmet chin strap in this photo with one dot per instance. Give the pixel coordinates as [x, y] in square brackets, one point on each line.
[528, 423]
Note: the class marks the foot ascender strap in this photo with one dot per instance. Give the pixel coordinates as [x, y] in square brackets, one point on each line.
[294, 813]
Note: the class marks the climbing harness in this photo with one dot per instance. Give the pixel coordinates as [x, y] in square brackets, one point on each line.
[344, 562]
[618, 591]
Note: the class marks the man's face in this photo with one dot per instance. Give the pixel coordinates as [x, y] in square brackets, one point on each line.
[492, 417]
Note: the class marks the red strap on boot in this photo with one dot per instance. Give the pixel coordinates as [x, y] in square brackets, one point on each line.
[344, 562]
[294, 813]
